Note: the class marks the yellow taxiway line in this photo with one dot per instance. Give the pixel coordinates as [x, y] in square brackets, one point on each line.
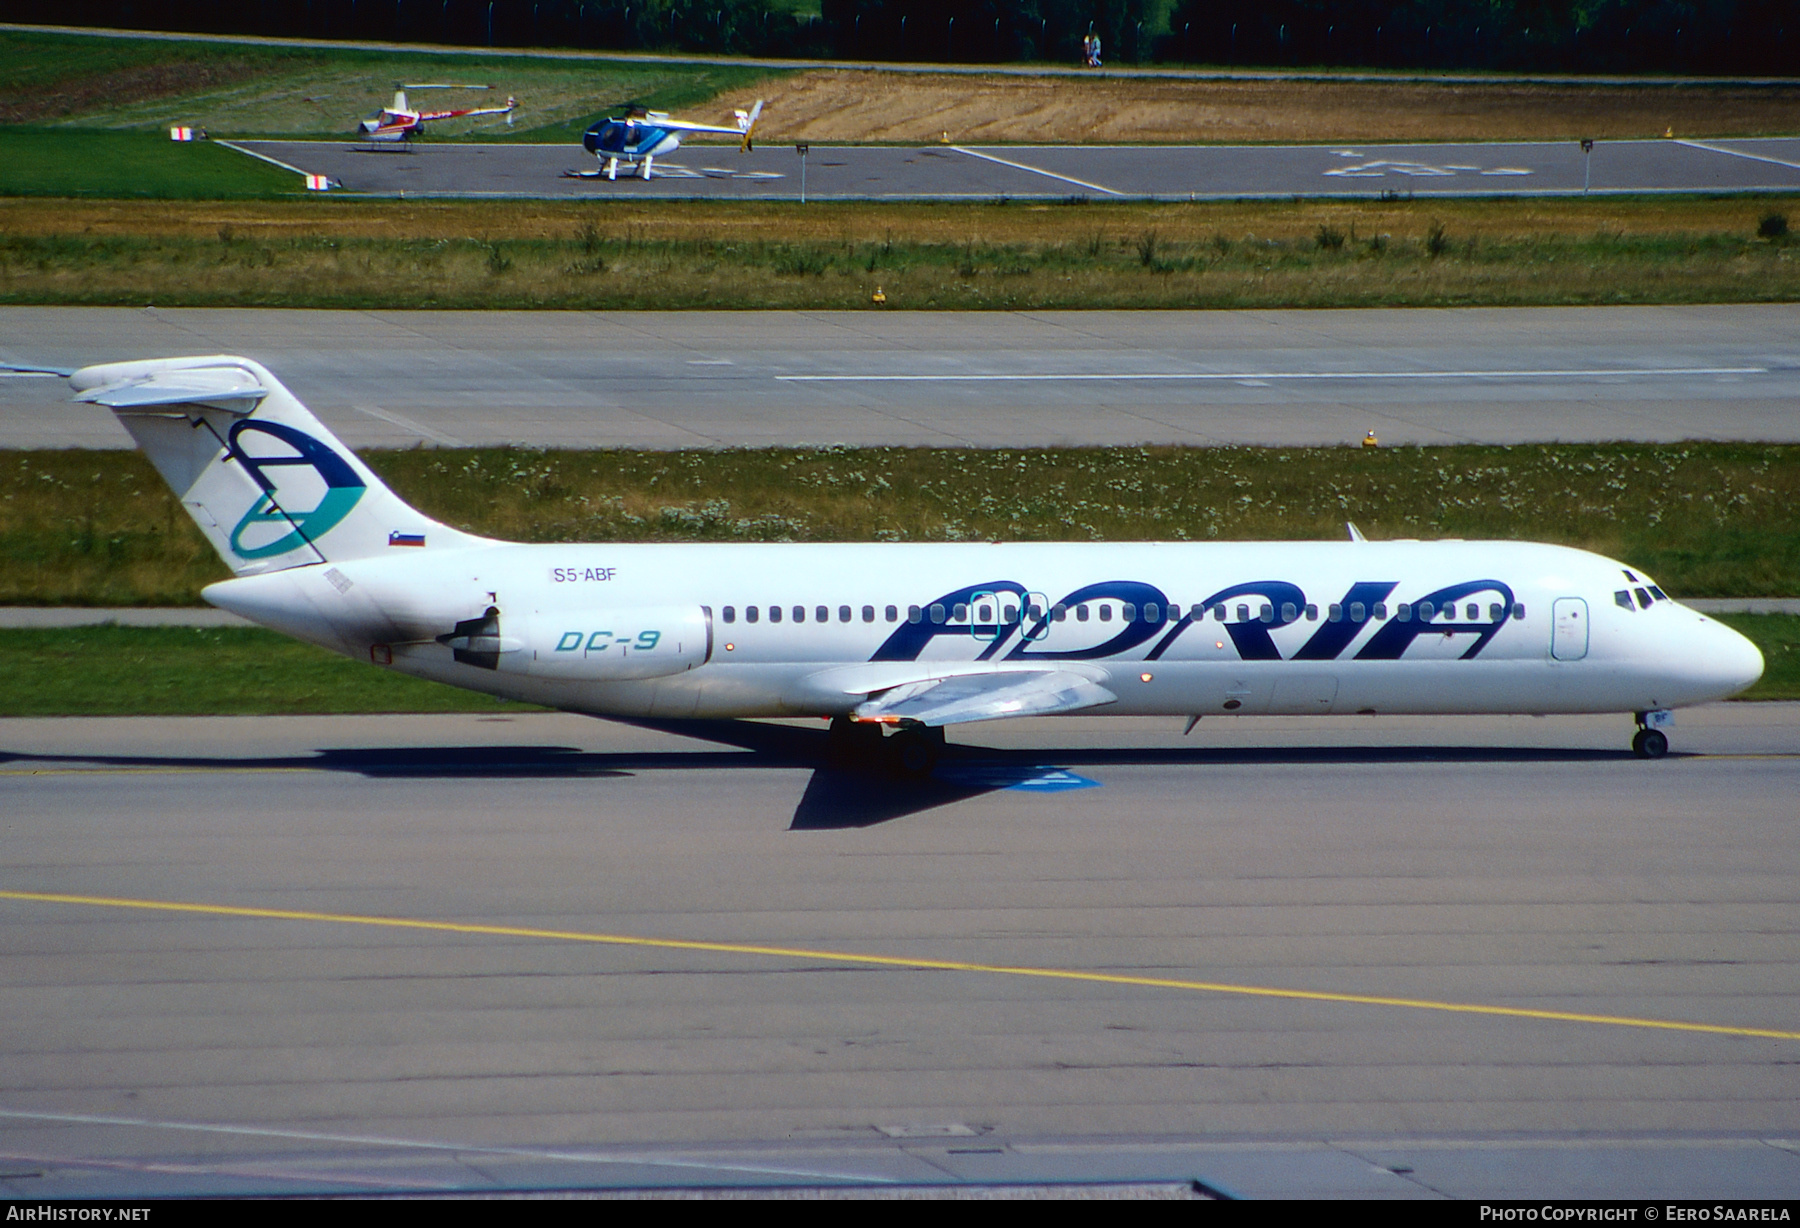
[895, 961]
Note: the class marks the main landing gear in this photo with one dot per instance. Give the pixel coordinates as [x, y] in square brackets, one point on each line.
[911, 750]
[1650, 742]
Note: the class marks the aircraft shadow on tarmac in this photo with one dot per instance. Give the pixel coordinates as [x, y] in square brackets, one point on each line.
[838, 795]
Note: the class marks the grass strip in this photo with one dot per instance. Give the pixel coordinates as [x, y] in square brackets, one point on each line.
[606, 255]
[204, 671]
[1778, 636]
[81, 82]
[238, 671]
[1706, 519]
[126, 165]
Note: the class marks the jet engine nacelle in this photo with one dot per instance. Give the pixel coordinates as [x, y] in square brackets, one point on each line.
[587, 645]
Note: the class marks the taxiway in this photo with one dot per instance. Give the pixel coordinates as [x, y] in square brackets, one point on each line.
[1493, 957]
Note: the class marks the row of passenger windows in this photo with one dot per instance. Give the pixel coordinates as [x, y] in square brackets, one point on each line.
[1622, 598]
[1006, 613]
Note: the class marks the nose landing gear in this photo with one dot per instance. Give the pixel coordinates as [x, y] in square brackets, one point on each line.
[1650, 742]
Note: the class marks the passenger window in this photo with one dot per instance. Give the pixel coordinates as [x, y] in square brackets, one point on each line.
[1427, 611]
[821, 614]
[1128, 611]
[1009, 613]
[1196, 612]
[1059, 613]
[913, 614]
[1152, 612]
[729, 613]
[1243, 613]
[961, 612]
[1380, 610]
[1622, 599]
[984, 613]
[749, 613]
[1267, 613]
[799, 613]
[1081, 613]
[1034, 612]
[1105, 612]
[1494, 610]
[1356, 611]
[1519, 609]
[1218, 613]
[869, 613]
[1289, 612]
[937, 612]
[1312, 613]
[774, 613]
[1474, 611]
[1403, 612]
[1335, 613]
[1643, 599]
[844, 613]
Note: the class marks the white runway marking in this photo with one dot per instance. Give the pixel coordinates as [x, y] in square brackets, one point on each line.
[378, 1140]
[1036, 170]
[1245, 376]
[1738, 153]
[407, 424]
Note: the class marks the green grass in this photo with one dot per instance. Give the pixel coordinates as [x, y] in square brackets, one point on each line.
[602, 256]
[124, 165]
[1706, 519]
[192, 671]
[186, 671]
[76, 82]
[1778, 635]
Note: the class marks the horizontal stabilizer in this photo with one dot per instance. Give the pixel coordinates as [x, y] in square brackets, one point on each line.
[986, 696]
[207, 386]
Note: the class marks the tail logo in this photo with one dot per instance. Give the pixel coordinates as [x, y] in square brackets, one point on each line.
[309, 491]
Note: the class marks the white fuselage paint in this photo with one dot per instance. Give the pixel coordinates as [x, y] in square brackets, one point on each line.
[391, 608]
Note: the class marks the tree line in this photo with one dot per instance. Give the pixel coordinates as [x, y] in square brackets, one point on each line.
[1736, 37]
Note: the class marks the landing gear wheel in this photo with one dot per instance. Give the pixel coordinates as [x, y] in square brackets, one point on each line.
[915, 750]
[854, 743]
[1650, 744]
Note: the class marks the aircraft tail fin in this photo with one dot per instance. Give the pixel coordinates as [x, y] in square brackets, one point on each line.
[267, 484]
[746, 121]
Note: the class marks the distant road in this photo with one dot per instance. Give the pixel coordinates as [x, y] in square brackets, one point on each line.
[985, 70]
[984, 379]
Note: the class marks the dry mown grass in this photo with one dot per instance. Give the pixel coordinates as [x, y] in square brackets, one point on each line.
[628, 256]
[851, 105]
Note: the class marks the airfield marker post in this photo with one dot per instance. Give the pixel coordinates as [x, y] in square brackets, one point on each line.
[801, 150]
[1587, 163]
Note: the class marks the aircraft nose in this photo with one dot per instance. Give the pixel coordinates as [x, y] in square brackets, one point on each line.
[1731, 662]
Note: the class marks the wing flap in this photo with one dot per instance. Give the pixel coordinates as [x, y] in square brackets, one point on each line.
[962, 698]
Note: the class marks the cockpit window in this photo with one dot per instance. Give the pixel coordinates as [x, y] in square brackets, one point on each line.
[1622, 599]
[1658, 593]
[1643, 599]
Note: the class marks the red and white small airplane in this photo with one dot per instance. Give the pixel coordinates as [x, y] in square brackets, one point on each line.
[400, 122]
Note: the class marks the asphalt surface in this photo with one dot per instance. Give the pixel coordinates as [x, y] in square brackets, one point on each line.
[989, 379]
[1057, 172]
[1431, 875]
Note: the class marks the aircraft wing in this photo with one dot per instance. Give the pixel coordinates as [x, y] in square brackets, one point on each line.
[985, 696]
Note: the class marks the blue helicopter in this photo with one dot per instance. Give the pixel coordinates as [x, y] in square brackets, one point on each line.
[639, 137]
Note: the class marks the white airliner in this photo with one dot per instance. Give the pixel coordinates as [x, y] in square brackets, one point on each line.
[913, 637]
